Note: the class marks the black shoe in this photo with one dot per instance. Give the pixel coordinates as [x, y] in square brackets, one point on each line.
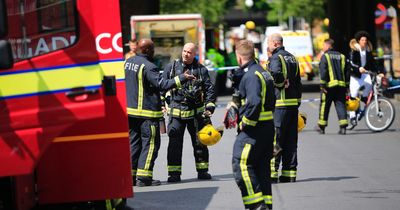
[274, 180]
[320, 129]
[174, 178]
[144, 183]
[284, 179]
[342, 131]
[277, 150]
[203, 175]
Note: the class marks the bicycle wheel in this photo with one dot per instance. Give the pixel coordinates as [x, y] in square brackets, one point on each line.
[383, 118]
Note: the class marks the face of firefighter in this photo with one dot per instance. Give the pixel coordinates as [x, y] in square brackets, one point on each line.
[188, 53]
[326, 47]
[133, 46]
[363, 42]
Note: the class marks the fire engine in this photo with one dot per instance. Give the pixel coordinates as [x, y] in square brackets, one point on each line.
[63, 122]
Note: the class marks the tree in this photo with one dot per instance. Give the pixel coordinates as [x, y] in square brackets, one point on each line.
[307, 9]
[211, 10]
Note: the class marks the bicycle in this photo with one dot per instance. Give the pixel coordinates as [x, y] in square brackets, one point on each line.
[379, 111]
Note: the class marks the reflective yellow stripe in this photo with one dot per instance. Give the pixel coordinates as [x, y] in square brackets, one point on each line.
[142, 172]
[203, 165]
[289, 173]
[91, 137]
[343, 59]
[133, 172]
[178, 82]
[244, 170]
[334, 83]
[268, 199]
[140, 87]
[144, 113]
[264, 116]
[287, 102]
[322, 110]
[249, 122]
[330, 70]
[243, 102]
[186, 113]
[322, 122]
[151, 148]
[174, 168]
[57, 78]
[274, 174]
[108, 205]
[343, 122]
[284, 69]
[253, 198]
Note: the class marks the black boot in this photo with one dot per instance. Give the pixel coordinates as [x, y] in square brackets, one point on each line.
[174, 178]
[284, 179]
[203, 175]
[320, 129]
[342, 131]
[145, 183]
[259, 206]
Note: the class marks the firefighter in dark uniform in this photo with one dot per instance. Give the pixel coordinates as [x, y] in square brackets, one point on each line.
[285, 71]
[334, 79]
[143, 85]
[253, 147]
[188, 105]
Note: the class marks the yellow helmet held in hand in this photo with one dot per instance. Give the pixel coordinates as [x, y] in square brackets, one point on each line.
[209, 136]
[302, 121]
[352, 104]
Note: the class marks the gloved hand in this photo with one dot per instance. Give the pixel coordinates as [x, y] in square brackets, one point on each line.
[231, 116]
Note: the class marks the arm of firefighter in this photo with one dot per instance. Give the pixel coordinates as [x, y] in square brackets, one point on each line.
[209, 88]
[253, 102]
[276, 71]
[323, 71]
[152, 75]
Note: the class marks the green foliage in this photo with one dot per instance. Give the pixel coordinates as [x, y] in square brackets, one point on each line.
[308, 9]
[211, 10]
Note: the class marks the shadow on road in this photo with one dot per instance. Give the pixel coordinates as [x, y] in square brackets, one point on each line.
[190, 198]
[337, 178]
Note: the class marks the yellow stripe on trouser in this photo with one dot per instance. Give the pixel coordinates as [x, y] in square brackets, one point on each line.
[251, 198]
[108, 205]
[133, 171]
[343, 122]
[151, 148]
[140, 87]
[174, 168]
[268, 199]
[202, 165]
[274, 173]
[322, 121]
[289, 173]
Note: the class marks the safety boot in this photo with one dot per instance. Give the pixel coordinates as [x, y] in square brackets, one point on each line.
[174, 178]
[320, 129]
[342, 131]
[259, 206]
[274, 180]
[145, 183]
[203, 175]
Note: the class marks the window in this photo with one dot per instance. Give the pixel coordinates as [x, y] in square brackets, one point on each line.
[38, 27]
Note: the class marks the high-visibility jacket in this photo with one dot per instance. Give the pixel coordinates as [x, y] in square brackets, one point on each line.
[193, 97]
[285, 70]
[143, 86]
[256, 91]
[333, 70]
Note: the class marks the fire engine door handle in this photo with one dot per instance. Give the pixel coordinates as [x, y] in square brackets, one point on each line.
[80, 92]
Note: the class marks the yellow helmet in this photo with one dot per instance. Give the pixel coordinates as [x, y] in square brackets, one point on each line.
[209, 136]
[352, 104]
[302, 121]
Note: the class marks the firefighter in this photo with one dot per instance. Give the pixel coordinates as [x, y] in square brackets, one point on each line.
[188, 105]
[253, 147]
[334, 82]
[285, 71]
[143, 85]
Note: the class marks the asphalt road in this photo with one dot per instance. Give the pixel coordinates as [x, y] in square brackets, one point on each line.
[358, 171]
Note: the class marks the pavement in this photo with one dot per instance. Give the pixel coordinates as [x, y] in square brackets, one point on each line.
[357, 171]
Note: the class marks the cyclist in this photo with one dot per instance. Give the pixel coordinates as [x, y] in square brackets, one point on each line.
[361, 60]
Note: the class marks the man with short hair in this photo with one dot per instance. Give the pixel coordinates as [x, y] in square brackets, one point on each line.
[285, 71]
[143, 85]
[190, 105]
[253, 147]
[334, 81]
